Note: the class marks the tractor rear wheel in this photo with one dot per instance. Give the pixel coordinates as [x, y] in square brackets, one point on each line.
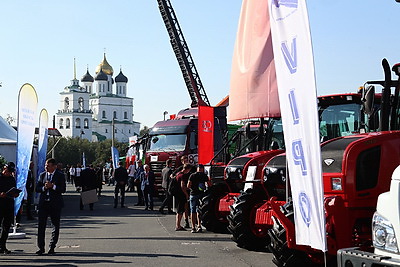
[241, 221]
[208, 209]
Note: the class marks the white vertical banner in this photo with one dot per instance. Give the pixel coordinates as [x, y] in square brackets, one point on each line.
[27, 106]
[291, 42]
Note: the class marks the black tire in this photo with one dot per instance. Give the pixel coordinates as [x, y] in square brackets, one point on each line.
[208, 209]
[283, 256]
[240, 221]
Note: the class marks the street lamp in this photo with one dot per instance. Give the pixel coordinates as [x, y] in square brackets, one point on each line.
[166, 112]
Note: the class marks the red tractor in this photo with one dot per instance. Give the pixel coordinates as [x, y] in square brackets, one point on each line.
[356, 169]
[339, 116]
[249, 220]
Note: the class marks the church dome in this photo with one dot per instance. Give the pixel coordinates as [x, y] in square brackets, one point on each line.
[121, 78]
[107, 69]
[87, 77]
[101, 76]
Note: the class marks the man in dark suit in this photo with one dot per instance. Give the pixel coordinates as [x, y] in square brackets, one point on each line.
[50, 185]
[147, 185]
[121, 179]
[88, 182]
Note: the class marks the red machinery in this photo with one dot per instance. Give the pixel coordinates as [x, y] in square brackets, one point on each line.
[356, 169]
[339, 115]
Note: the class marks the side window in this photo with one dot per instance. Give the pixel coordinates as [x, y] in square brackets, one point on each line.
[193, 141]
[368, 168]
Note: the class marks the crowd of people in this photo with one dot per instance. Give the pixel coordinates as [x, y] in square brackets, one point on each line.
[186, 184]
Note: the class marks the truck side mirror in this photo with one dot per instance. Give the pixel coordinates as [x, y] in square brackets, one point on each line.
[367, 99]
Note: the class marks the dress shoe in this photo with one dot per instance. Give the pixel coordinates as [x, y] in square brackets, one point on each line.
[40, 252]
[51, 251]
[146, 208]
[122, 206]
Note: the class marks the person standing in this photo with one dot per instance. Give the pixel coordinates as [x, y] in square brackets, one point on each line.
[181, 196]
[139, 171]
[147, 179]
[197, 184]
[131, 177]
[72, 173]
[51, 185]
[7, 181]
[165, 174]
[121, 178]
[88, 182]
[99, 180]
[30, 189]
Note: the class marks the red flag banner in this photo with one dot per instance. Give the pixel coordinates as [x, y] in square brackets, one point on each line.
[253, 90]
[206, 134]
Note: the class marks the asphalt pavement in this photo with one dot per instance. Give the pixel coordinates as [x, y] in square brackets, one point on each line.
[128, 236]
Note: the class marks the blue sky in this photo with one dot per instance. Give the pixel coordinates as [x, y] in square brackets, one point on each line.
[39, 40]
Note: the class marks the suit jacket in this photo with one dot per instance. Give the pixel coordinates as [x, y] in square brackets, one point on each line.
[121, 175]
[88, 179]
[149, 182]
[55, 196]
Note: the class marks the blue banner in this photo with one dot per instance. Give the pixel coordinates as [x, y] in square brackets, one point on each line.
[42, 142]
[27, 105]
[115, 157]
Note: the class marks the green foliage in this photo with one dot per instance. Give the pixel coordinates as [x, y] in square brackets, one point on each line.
[144, 130]
[69, 150]
[3, 162]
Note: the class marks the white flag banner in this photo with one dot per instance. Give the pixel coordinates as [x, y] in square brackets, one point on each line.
[291, 42]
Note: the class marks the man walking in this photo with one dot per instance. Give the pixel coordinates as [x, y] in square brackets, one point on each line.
[121, 178]
[165, 175]
[51, 185]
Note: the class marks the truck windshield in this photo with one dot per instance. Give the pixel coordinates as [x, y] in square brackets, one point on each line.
[339, 120]
[170, 142]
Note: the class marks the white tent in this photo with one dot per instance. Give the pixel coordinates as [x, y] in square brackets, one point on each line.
[8, 141]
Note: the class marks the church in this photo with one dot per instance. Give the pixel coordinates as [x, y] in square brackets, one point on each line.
[92, 110]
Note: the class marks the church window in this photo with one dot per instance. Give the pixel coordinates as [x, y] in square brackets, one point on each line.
[86, 124]
[129, 131]
[114, 114]
[67, 124]
[106, 131]
[66, 103]
[78, 123]
[125, 115]
[81, 104]
[115, 130]
[104, 114]
[61, 126]
[124, 90]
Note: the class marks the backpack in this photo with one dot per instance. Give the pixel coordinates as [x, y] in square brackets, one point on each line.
[174, 187]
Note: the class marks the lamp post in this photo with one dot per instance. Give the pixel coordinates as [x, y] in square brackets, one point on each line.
[166, 112]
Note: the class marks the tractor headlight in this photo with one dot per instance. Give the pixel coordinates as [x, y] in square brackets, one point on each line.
[383, 235]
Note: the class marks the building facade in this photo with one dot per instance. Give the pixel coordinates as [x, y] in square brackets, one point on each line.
[93, 110]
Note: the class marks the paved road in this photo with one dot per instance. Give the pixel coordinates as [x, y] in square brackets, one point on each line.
[123, 237]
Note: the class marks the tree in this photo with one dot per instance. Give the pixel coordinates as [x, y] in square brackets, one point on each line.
[144, 130]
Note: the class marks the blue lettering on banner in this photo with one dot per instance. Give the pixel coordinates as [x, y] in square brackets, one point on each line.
[290, 56]
[288, 3]
[305, 208]
[298, 156]
[293, 107]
